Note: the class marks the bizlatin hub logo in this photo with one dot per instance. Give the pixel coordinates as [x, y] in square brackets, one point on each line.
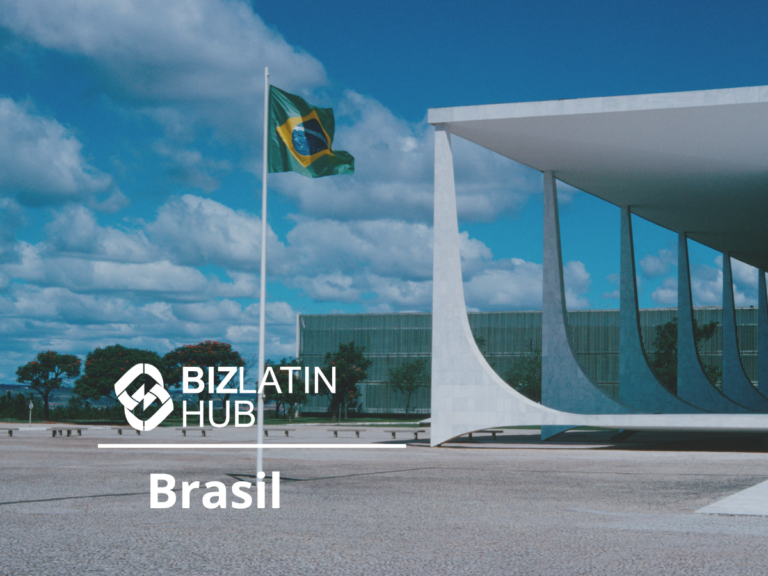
[131, 401]
[163, 486]
[193, 383]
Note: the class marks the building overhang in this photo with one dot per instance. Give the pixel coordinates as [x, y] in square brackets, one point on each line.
[693, 162]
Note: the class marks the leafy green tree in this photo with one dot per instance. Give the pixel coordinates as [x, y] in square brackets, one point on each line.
[664, 359]
[205, 354]
[47, 373]
[17, 407]
[6, 405]
[524, 375]
[288, 400]
[409, 377]
[351, 369]
[105, 366]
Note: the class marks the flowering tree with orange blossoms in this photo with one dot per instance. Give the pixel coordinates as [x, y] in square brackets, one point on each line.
[205, 354]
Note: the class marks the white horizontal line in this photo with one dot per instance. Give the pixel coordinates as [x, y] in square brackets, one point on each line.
[247, 446]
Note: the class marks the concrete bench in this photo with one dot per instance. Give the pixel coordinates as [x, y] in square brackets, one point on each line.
[488, 431]
[414, 431]
[61, 429]
[337, 430]
[195, 429]
[10, 430]
[286, 430]
[121, 428]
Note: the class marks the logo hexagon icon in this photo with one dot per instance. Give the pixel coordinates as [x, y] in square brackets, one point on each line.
[157, 392]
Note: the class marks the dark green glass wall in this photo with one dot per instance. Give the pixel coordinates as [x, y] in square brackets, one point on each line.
[392, 339]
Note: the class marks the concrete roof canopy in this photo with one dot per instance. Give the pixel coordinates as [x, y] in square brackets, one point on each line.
[694, 162]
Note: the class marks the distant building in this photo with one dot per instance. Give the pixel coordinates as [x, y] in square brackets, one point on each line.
[393, 339]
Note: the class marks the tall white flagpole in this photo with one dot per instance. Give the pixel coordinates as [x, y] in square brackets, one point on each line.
[263, 280]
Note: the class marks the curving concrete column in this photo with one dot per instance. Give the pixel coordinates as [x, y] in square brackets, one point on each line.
[467, 394]
[762, 334]
[692, 383]
[736, 384]
[638, 385]
[564, 384]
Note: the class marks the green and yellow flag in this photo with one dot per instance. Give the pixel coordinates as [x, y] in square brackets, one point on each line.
[301, 138]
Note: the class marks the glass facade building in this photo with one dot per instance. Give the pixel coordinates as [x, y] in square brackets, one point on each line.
[391, 340]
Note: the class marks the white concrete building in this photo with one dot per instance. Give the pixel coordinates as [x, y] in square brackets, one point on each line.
[692, 162]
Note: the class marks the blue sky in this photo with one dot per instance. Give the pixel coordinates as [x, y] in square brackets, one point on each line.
[130, 160]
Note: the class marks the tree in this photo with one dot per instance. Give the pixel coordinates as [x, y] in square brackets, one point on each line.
[203, 355]
[105, 366]
[409, 377]
[351, 368]
[47, 373]
[524, 375]
[16, 407]
[288, 400]
[664, 359]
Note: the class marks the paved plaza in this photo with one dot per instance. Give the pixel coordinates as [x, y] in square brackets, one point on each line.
[514, 506]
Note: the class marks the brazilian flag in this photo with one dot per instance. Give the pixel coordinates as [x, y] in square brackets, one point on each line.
[301, 138]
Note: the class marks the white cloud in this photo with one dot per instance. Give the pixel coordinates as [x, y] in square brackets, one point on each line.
[196, 67]
[488, 184]
[38, 318]
[515, 284]
[246, 338]
[396, 294]
[75, 231]
[41, 161]
[243, 285]
[11, 219]
[653, 266]
[335, 287]
[210, 311]
[744, 275]
[707, 288]
[190, 168]
[707, 283]
[394, 172]
[180, 60]
[614, 294]
[327, 259]
[139, 280]
[517, 287]
[28, 264]
[152, 277]
[744, 278]
[384, 247]
[278, 313]
[115, 202]
[63, 305]
[280, 329]
[196, 231]
[666, 294]
[392, 168]
[196, 64]
[577, 282]
[387, 264]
